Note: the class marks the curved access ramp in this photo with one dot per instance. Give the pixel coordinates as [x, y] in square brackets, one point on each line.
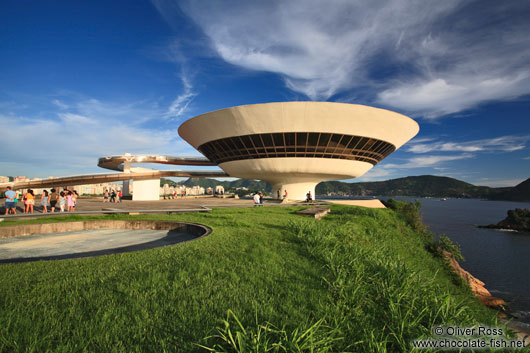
[117, 162]
[108, 178]
[121, 163]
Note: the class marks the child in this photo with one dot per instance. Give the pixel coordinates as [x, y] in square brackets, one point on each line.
[44, 201]
[62, 201]
[74, 199]
[69, 202]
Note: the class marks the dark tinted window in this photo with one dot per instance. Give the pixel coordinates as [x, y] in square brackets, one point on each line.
[267, 139]
[278, 139]
[247, 142]
[289, 139]
[257, 141]
[324, 139]
[354, 142]
[313, 139]
[299, 144]
[301, 138]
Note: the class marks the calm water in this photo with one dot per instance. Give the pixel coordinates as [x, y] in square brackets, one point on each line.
[500, 259]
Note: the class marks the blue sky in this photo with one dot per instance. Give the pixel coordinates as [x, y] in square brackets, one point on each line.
[85, 79]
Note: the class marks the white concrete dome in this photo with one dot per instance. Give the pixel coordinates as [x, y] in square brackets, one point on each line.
[295, 145]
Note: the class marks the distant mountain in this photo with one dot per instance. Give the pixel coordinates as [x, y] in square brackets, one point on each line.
[520, 192]
[168, 182]
[204, 182]
[420, 186]
[424, 185]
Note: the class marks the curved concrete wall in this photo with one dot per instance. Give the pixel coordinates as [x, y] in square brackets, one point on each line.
[351, 119]
[276, 170]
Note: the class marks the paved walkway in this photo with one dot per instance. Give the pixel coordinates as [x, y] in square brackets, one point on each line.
[95, 206]
[85, 243]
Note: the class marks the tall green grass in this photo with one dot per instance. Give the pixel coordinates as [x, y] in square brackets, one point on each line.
[265, 280]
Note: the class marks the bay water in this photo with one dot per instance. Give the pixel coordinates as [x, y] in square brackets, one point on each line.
[501, 259]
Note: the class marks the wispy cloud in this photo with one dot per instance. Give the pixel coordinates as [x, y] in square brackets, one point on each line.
[374, 174]
[59, 104]
[427, 161]
[71, 141]
[181, 105]
[500, 144]
[439, 57]
[497, 182]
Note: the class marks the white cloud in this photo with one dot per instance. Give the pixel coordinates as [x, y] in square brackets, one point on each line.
[319, 48]
[75, 119]
[374, 174]
[181, 104]
[71, 142]
[436, 97]
[60, 104]
[427, 161]
[438, 57]
[498, 182]
[500, 144]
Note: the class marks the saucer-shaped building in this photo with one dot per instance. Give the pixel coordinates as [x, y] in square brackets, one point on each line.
[296, 145]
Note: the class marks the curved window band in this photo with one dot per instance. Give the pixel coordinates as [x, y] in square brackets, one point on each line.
[297, 144]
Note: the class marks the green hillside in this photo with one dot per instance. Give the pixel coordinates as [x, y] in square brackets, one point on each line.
[420, 186]
[520, 192]
[360, 280]
[424, 185]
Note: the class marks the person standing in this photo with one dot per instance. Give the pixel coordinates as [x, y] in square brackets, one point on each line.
[62, 201]
[118, 198]
[30, 201]
[308, 197]
[11, 205]
[256, 200]
[279, 193]
[53, 200]
[74, 199]
[69, 202]
[112, 196]
[261, 199]
[44, 201]
[285, 196]
[24, 201]
[106, 196]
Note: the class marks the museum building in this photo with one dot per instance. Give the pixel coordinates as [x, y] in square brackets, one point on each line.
[296, 145]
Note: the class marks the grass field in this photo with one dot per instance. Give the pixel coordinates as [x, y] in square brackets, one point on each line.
[265, 280]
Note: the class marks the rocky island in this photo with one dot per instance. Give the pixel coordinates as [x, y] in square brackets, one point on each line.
[518, 220]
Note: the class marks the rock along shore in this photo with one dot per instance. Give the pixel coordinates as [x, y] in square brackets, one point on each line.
[478, 288]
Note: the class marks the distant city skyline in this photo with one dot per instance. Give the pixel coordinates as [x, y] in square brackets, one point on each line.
[83, 80]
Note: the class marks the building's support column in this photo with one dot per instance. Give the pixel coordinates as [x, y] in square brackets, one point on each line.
[146, 190]
[126, 190]
[295, 191]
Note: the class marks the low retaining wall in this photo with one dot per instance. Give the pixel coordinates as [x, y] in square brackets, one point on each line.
[45, 228]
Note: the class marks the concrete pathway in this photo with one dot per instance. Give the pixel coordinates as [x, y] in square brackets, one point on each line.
[85, 243]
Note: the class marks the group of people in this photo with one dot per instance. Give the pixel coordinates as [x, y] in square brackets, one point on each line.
[112, 196]
[258, 197]
[66, 200]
